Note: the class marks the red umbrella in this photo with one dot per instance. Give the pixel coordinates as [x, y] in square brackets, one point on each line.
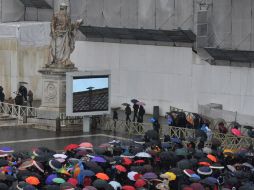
[212, 157]
[236, 132]
[120, 168]
[126, 161]
[140, 183]
[128, 187]
[71, 147]
[139, 162]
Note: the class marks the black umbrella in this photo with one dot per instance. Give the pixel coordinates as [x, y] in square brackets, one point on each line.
[248, 127]
[94, 167]
[98, 183]
[125, 104]
[3, 163]
[115, 108]
[184, 164]
[134, 101]
[152, 135]
[3, 186]
[52, 187]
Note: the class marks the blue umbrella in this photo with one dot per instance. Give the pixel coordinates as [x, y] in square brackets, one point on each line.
[87, 173]
[6, 149]
[49, 180]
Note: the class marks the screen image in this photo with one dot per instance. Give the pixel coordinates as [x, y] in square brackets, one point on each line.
[90, 93]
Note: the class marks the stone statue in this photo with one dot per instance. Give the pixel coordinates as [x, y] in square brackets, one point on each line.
[63, 38]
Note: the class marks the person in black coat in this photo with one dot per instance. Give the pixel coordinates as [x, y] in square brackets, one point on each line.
[135, 110]
[2, 95]
[141, 114]
[128, 113]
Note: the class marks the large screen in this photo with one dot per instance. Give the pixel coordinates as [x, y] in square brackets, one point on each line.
[88, 93]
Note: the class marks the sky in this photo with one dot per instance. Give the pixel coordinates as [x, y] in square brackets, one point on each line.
[81, 84]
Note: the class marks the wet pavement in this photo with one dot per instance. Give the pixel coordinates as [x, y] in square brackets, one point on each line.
[20, 138]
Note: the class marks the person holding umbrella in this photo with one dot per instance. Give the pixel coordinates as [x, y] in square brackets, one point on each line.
[135, 109]
[127, 112]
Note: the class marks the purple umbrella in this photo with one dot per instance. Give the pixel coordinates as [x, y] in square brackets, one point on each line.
[150, 175]
[49, 180]
[98, 159]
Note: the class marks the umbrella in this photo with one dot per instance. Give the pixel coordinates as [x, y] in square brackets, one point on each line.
[248, 127]
[89, 188]
[134, 101]
[131, 175]
[209, 181]
[120, 168]
[181, 152]
[188, 172]
[236, 132]
[170, 176]
[139, 162]
[94, 167]
[126, 161]
[140, 183]
[54, 164]
[212, 157]
[39, 166]
[197, 186]
[63, 156]
[231, 168]
[184, 164]
[2, 154]
[98, 183]
[152, 134]
[98, 159]
[63, 171]
[33, 180]
[115, 108]
[125, 104]
[143, 155]
[49, 180]
[6, 149]
[87, 173]
[102, 176]
[128, 187]
[150, 175]
[58, 180]
[204, 170]
[26, 164]
[204, 164]
[71, 147]
[141, 103]
[116, 185]
[73, 181]
[86, 145]
[3, 163]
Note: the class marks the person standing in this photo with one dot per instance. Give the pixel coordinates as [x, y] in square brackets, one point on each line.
[135, 109]
[2, 95]
[115, 118]
[30, 98]
[127, 113]
[141, 114]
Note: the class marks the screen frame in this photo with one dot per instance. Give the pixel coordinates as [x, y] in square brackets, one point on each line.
[69, 92]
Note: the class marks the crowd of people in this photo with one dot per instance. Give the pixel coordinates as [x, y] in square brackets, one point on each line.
[146, 163]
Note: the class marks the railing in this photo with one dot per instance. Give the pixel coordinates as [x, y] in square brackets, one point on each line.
[69, 120]
[227, 140]
[19, 112]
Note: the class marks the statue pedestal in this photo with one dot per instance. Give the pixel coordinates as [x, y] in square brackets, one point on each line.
[54, 88]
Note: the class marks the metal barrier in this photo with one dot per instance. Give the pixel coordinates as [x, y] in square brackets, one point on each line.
[19, 112]
[69, 120]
